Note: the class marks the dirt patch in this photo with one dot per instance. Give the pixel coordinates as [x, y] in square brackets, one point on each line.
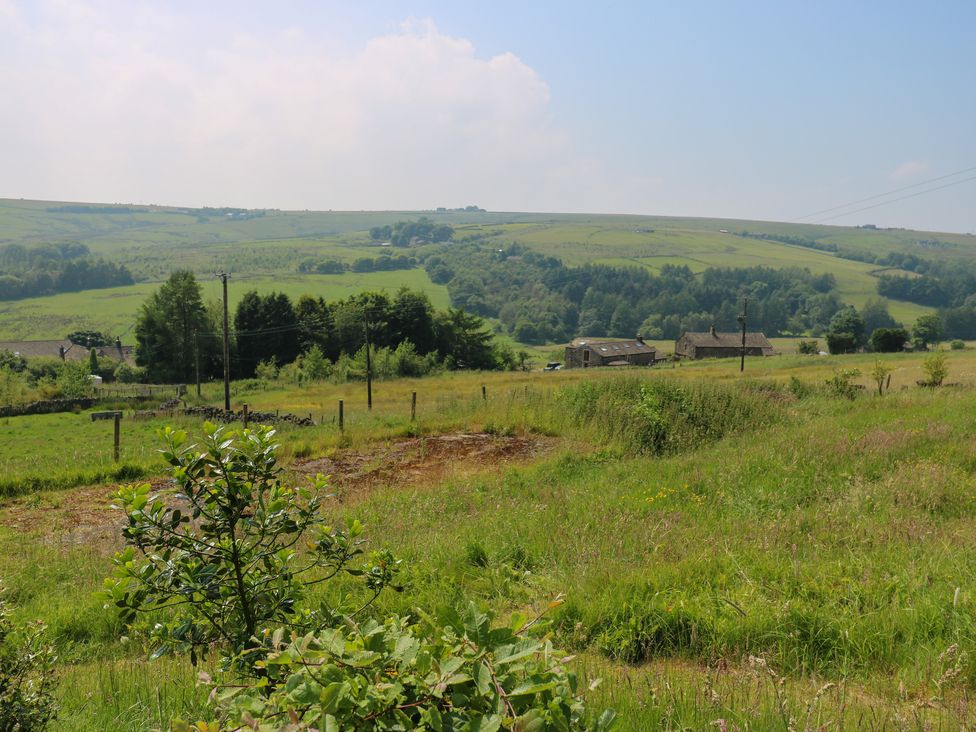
[71, 518]
[84, 517]
[424, 460]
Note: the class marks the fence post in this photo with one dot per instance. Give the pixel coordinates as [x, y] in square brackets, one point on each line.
[484, 392]
[342, 423]
[118, 417]
[413, 407]
[245, 416]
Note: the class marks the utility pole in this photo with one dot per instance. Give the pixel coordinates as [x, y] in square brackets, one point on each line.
[742, 320]
[223, 276]
[196, 358]
[369, 364]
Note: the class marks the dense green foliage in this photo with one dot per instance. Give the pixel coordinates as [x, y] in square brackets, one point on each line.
[173, 329]
[847, 331]
[50, 268]
[405, 329]
[407, 233]
[888, 340]
[539, 299]
[27, 677]
[457, 672]
[384, 263]
[23, 381]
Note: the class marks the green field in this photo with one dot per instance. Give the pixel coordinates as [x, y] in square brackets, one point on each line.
[264, 252]
[815, 563]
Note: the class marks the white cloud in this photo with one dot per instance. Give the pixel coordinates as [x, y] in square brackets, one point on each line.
[910, 169]
[141, 106]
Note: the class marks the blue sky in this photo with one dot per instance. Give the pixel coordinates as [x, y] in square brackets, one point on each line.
[766, 110]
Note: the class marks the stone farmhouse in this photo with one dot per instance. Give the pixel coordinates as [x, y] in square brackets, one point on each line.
[588, 352]
[715, 344]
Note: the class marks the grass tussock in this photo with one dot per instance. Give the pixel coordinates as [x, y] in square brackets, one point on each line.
[663, 417]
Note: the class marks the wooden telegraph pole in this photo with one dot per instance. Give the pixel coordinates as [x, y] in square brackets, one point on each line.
[196, 358]
[223, 276]
[369, 365]
[742, 320]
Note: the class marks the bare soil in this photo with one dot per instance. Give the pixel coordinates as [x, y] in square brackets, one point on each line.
[423, 460]
[84, 517]
[76, 517]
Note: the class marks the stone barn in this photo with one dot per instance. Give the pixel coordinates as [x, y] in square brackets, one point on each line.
[587, 352]
[715, 344]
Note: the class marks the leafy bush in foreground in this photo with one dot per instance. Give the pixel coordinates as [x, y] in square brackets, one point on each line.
[222, 556]
[26, 676]
[458, 674]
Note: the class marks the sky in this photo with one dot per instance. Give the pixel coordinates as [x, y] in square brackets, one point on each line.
[755, 110]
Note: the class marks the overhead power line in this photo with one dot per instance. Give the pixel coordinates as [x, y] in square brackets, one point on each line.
[799, 219]
[895, 200]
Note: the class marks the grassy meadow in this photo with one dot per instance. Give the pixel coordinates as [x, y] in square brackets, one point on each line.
[739, 547]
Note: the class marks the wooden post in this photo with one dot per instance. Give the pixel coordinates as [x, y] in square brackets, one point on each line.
[484, 392]
[118, 418]
[196, 358]
[342, 423]
[413, 407]
[742, 319]
[245, 416]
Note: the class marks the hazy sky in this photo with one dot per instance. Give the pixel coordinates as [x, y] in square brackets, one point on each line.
[765, 110]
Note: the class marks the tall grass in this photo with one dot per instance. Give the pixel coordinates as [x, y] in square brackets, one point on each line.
[691, 527]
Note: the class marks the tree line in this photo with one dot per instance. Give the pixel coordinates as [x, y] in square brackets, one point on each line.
[539, 299]
[403, 233]
[176, 331]
[383, 263]
[48, 269]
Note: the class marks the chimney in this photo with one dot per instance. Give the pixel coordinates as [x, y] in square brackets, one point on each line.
[712, 331]
[640, 339]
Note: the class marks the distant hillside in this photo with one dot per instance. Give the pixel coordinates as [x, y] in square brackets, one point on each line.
[266, 248]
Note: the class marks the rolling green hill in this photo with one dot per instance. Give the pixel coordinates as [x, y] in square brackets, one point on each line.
[264, 248]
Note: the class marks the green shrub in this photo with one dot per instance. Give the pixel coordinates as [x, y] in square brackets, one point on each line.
[808, 348]
[889, 340]
[454, 673]
[841, 383]
[880, 374]
[27, 678]
[221, 558]
[800, 389]
[73, 380]
[957, 345]
[935, 369]
[267, 370]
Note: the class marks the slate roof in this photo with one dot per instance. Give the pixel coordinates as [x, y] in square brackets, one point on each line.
[613, 348]
[50, 349]
[727, 340]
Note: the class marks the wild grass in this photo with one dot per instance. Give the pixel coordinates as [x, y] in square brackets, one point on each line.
[776, 546]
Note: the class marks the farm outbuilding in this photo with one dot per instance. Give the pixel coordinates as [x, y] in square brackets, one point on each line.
[68, 351]
[716, 344]
[586, 352]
